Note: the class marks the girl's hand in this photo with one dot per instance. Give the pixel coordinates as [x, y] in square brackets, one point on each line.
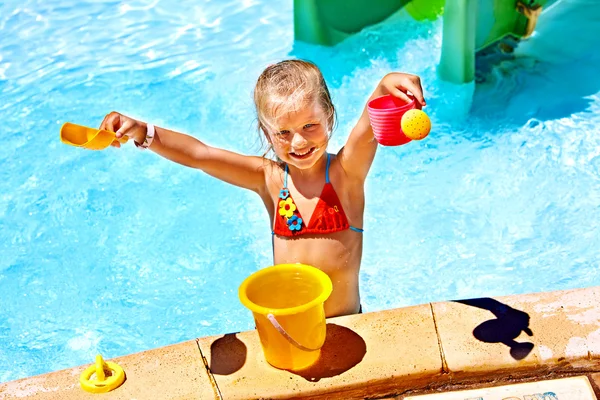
[124, 126]
[398, 84]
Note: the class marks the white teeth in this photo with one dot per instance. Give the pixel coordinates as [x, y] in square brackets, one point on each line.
[303, 154]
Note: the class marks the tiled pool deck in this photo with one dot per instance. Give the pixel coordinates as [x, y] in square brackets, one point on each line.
[430, 348]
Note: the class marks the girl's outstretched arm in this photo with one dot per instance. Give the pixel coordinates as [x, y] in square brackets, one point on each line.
[237, 169]
[357, 155]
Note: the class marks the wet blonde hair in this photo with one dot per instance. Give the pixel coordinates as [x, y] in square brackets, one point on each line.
[289, 86]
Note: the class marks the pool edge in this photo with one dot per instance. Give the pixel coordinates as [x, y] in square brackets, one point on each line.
[411, 350]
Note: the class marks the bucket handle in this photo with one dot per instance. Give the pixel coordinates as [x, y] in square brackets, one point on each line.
[286, 335]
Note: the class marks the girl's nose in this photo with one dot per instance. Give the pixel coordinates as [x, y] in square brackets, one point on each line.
[298, 141]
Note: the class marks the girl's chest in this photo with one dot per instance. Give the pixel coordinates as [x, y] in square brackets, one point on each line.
[310, 200]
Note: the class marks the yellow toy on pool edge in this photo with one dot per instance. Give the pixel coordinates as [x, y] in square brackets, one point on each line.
[415, 124]
[102, 383]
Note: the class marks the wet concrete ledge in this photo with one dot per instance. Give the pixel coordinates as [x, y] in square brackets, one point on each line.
[406, 351]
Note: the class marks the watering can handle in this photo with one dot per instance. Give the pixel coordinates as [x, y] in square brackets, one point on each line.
[286, 335]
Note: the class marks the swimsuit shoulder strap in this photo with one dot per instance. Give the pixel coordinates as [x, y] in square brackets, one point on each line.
[327, 170]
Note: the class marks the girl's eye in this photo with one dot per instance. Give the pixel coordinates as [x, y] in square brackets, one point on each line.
[283, 132]
[308, 126]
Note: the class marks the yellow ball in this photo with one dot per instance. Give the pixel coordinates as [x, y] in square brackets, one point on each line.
[415, 124]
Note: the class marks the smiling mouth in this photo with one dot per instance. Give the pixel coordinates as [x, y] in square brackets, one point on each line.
[302, 155]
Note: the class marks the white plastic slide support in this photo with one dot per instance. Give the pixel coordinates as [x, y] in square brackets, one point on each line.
[457, 63]
[286, 335]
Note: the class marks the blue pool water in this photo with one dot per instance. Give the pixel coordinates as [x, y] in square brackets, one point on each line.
[121, 251]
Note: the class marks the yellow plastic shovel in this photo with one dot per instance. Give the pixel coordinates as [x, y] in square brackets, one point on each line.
[89, 138]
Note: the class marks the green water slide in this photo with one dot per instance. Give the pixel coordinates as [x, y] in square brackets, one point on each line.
[469, 25]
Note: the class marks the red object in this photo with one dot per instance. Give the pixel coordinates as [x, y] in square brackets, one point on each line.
[328, 216]
[386, 113]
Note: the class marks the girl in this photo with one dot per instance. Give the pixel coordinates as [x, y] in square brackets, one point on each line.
[315, 200]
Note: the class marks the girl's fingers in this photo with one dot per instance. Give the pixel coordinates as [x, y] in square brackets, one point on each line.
[413, 85]
[111, 122]
[400, 94]
[103, 123]
[116, 143]
[124, 128]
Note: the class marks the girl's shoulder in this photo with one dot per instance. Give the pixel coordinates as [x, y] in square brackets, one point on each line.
[274, 171]
[335, 166]
[340, 177]
[273, 166]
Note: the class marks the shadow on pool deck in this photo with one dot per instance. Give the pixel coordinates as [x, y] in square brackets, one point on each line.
[342, 350]
[228, 355]
[505, 328]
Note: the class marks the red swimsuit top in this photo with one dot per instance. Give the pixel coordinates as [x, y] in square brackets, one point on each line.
[328, 216]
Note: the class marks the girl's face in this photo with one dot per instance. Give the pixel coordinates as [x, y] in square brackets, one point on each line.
[300, 138]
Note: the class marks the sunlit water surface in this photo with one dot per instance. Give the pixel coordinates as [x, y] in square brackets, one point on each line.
[120, 251]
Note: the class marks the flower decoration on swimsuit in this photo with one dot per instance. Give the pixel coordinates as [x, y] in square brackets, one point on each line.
[294, 223]
[287, 207]
[284, 194]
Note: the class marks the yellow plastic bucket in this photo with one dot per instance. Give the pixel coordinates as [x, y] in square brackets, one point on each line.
[287, 301]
